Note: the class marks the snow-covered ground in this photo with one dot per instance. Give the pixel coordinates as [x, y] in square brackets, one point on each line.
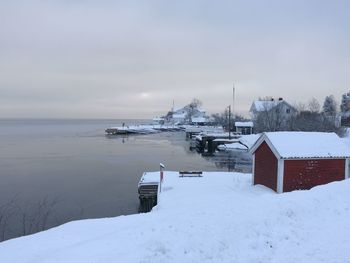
[219, 217]
[245, 142]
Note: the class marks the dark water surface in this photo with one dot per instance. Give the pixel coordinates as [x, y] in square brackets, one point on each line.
[90, 174]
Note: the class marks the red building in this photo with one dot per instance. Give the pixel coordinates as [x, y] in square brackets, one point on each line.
[287, 161]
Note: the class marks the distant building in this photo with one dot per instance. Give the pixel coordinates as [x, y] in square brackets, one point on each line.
[279, 106]
[187, 114]
[287, 161]
[271, 115]
[158, 120]
[245, 127]
[200, 121]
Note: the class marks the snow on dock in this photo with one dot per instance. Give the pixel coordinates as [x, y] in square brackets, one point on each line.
[141, 129]
[219, 217]
[195, 130]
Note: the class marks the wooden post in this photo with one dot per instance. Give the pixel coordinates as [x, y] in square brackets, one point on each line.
[229, 122]
[161, 176]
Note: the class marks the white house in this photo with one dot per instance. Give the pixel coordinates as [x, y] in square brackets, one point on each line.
[271, 115]
[280, 106]
[187, 114]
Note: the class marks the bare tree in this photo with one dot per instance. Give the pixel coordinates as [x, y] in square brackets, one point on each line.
[7, 211]
[193, 107]
[37, 219]
[18, 219]
[314, 106]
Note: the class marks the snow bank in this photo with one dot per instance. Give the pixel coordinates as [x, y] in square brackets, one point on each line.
[219, 217]
[245, 142]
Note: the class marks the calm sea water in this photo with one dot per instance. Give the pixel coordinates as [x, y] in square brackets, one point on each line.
[91, 175]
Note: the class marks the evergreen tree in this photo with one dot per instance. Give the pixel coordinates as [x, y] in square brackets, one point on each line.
[330, 106]
[345, 104]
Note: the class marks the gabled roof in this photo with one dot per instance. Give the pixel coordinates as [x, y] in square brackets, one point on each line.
[262, 105]
[266, 105]
[295, 145]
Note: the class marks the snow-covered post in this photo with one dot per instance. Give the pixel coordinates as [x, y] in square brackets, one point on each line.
[162, 166]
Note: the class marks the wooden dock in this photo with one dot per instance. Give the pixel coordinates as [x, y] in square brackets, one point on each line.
[141, 129]
[148, 189]
[192, 131]
[211, 141]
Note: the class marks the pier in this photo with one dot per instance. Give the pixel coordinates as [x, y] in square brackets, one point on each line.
[141, 129]
[148, 188]
[210, 141]
[192, 131]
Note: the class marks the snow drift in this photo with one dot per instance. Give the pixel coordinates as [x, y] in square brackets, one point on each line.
[219, 217]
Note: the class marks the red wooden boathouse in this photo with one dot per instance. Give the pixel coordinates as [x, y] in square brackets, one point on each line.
[287, 161]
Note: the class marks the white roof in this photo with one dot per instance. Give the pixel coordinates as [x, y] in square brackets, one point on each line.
[198, 119]
[158, 119]
[244, 124]
[289, 145]
[262, 105]
[179, 116]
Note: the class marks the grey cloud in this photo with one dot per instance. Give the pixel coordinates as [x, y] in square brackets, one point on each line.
[96, 58]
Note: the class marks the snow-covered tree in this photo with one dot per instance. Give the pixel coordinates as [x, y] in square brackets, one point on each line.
[345, 104]
[330, 106]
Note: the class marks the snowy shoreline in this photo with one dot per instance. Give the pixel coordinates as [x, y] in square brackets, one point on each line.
[219, 217]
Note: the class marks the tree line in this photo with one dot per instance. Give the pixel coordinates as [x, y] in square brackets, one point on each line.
[309, 116]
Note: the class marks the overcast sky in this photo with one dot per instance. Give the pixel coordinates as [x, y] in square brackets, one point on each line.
[131, 59]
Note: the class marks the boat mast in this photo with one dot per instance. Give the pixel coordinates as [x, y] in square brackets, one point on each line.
[233, 101]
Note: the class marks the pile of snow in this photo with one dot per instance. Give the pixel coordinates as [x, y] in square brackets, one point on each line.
[249, 140]
[219, 217]
[245, 142]
[233, 147]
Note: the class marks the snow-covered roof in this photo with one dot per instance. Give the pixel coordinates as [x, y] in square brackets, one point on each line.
[244, 124]
[198, 119]
[158, 119]
[291, 145]
[262, 105]
[179, 116]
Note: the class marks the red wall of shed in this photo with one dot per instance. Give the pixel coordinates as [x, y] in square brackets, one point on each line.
[305, 174]
[265, 167]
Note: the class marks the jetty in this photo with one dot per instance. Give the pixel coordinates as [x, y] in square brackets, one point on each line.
[210, 141]
[192, 131]
[150, 187]
[141, 129]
